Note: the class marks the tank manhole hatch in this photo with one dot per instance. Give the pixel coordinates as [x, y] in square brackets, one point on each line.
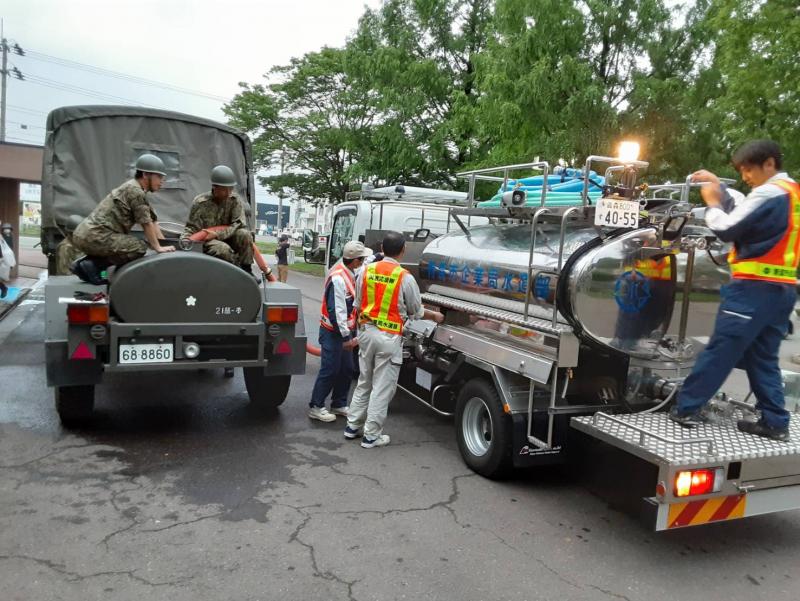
[658, 439]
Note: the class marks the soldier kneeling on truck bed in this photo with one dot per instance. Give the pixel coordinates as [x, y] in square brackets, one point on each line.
[221, 207]
[105, 234]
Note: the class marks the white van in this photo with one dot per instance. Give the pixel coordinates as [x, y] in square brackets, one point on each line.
[402, 209]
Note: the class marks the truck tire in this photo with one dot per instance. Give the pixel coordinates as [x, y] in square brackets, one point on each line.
[484, 430]
[74, 404]
[265, 392]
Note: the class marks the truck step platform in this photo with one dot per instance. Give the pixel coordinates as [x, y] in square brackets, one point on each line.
[675, 477]
[656, 438]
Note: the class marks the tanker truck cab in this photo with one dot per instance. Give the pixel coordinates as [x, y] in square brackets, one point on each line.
[570, 324]
[181, 311]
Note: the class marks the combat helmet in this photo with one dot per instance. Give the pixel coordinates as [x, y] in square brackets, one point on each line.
[150, 163]
[222, 175]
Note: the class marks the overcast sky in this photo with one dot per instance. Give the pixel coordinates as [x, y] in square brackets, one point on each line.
[201, 45]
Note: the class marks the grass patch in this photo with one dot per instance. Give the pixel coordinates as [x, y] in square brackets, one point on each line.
[31, 231]
[268, 250]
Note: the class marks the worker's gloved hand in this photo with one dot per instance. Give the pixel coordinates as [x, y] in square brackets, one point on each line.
[437, 317]
[350, 344]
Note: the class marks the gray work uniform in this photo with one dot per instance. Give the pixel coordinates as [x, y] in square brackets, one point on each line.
[380, 357]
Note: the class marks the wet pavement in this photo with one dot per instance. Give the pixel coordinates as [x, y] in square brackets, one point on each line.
[177, 490]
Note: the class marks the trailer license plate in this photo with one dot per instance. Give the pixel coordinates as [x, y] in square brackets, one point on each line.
[161, 352]
[611, 212]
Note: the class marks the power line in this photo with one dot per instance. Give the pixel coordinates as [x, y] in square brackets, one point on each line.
[118, 75]
[22, 109]
[66, 87]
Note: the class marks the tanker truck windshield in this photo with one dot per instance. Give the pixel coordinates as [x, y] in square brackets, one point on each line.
[572, 314]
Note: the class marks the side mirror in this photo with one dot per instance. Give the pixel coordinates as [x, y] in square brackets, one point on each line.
[421, 234]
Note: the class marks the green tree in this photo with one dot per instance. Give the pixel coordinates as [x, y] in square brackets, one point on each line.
[313, 115]
[419, 60]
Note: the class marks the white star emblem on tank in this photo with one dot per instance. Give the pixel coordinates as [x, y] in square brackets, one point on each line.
[191, 301]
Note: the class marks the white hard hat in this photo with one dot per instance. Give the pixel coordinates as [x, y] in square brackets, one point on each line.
[355, 250]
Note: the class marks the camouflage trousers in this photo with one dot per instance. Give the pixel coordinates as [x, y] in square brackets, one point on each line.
[238, 249]
[116, 248]
[66, 253]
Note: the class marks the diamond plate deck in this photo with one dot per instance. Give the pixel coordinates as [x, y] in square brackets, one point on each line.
[729, 444]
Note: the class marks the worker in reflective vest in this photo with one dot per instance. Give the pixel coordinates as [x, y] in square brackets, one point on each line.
[755, 307]
[386, 295]
[337, 326]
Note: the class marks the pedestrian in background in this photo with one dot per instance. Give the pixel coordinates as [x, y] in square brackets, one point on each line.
[282, 252]
[387, 296]
[337, 328]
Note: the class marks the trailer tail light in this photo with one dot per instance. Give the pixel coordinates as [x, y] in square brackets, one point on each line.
[84, 314]
[690, 483]
[281, 314]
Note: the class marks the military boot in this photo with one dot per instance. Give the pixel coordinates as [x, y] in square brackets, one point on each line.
[90, 269]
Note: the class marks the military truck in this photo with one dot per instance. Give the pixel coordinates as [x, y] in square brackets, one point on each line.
[180, 311]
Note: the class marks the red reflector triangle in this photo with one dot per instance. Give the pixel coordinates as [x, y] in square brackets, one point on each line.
[283, 348]
[82, 352]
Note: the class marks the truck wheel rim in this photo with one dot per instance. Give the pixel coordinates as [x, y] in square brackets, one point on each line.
[476, 424]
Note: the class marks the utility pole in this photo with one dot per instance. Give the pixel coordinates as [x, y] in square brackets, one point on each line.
[4, 78]
[280, 194]
[4, 74]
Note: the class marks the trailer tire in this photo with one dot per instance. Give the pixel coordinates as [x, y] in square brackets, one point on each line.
[484, 430]
[265, 392]
[74, 404]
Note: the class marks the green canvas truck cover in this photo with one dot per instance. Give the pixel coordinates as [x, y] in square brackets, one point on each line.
[89, 150]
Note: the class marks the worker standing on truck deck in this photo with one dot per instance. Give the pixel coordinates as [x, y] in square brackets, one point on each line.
[221, 206]
[105, 234]
[755, 307]
[337, 328]
[282, 253]
[387, 295]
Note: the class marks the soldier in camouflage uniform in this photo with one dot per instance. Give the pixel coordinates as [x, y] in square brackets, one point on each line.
[104, 235]
[219, 207]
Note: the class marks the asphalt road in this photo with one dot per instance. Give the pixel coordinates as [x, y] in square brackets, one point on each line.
[178, 491]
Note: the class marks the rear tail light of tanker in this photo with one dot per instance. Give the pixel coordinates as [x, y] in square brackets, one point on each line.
[689, 483]
[281, 314]
[87, 314]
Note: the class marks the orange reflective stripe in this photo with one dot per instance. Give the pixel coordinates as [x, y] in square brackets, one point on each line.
[381, 295]
[350, 292]
[779, 264]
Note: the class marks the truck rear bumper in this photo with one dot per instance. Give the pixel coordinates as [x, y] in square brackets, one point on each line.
[278, 350]
[718, 509]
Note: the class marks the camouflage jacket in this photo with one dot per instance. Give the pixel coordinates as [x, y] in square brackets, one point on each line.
[207, 212]
[124, 207]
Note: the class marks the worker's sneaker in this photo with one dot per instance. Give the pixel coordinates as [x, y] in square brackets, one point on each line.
[3, 290]
[339, 411]
[688, 420]
[380, 441]
[88, 271]
[321, 414]
[351, 433]
[759, 428]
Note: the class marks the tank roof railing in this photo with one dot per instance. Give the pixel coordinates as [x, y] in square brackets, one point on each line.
[484, 174]
[417, 195]
[613, 162]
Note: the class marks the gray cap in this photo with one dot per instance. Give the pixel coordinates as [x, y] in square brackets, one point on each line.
[355, 250]
[150, 163]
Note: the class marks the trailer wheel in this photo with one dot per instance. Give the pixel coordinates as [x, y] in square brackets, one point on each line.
[74, 404]
[265, 392]
[483, 430]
